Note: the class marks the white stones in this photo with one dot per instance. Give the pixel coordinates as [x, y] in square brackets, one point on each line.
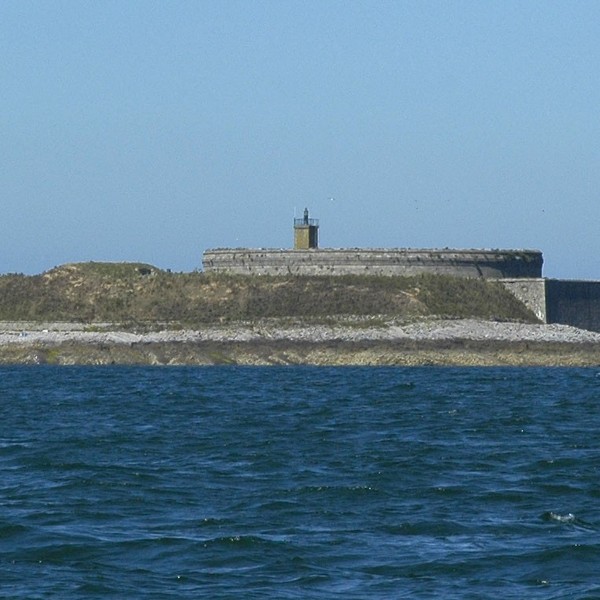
[428, 330]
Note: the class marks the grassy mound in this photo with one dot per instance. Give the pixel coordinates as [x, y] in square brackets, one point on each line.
[140, 293]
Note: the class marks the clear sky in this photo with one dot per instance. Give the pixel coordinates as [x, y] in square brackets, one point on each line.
[150, 131]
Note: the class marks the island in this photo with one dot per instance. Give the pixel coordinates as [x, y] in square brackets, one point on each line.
[98, 313]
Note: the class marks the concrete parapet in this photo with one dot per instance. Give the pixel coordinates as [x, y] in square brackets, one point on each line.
[376, 261]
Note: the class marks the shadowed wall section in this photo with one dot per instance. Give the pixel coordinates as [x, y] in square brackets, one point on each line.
[574, 303]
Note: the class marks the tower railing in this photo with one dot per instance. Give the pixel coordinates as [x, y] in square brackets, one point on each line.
[306, 222]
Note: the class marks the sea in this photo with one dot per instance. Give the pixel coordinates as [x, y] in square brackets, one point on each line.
[299, 482]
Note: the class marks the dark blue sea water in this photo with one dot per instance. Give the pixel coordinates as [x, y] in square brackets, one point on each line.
[299, 482]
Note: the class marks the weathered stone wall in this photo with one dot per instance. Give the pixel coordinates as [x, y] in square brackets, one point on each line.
[374, 261]
[531, 292]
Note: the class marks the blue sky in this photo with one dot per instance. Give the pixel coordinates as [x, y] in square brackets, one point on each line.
[150, 131]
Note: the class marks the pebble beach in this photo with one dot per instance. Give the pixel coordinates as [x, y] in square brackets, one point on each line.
[431, 330]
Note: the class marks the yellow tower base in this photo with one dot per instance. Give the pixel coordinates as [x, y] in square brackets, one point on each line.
[306, 233]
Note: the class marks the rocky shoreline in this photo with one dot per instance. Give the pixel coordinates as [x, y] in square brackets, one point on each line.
[431, 341]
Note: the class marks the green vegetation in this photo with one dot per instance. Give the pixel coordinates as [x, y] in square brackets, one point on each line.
[135, 294]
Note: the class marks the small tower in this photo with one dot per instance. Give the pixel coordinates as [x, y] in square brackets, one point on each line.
[306, 232]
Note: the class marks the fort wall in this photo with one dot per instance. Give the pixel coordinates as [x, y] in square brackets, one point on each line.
[572, 302]
[568, 302]
[376, 261]
[564, 301]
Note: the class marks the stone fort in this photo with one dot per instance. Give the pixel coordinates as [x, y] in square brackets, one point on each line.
[574, 303]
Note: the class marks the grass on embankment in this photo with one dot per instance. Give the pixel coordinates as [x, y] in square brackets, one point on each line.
[135, 293]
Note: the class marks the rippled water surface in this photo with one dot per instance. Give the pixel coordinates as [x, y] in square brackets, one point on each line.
[299, 482]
